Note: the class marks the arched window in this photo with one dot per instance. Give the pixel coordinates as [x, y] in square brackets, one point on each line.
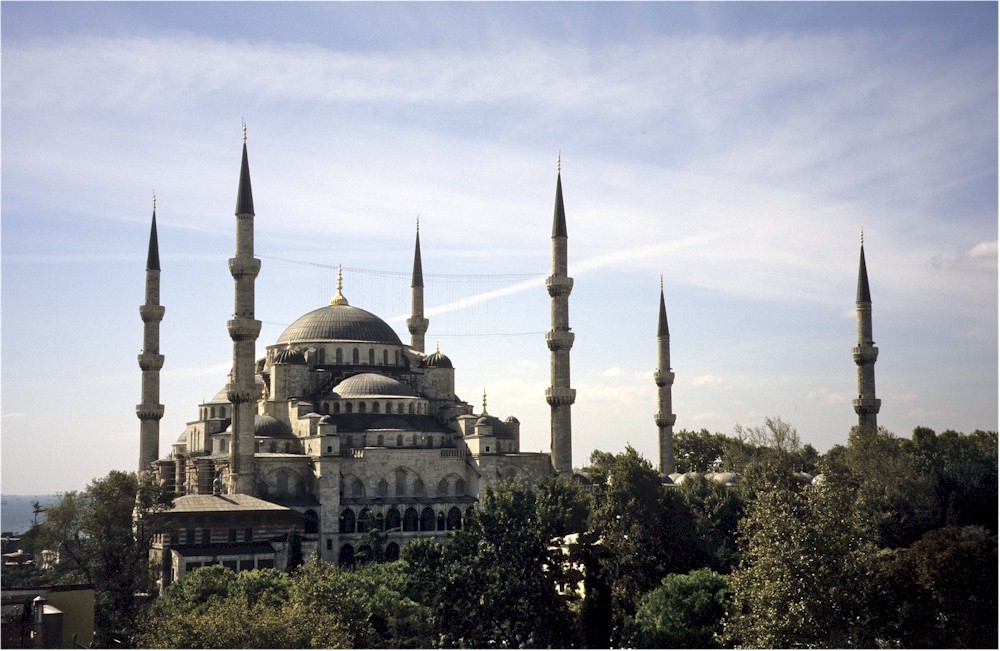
[410, 520]
[357, 488]
[371, 356]
[427, 520]
[385, 357]
[383, 488]
[381, 439]
[410, 408]
[222, 412]
[459, 487]
[347, 521]
[213, 412]
[322, 355]
[399, 408]
[399, 440]
[442, 487]
[340, 356]
[468, 513]
[362, 407]
[363, 521]
[454, 518]
[365, 554]
[350, 407]
[356, 356]
[392, 552]
[397, 358]
[418, 488]
[375, 407]
[346, 556]
[430, 440]
[393, 520]
[324, 408]
[400, 482]
[312, 522]
[336, 407]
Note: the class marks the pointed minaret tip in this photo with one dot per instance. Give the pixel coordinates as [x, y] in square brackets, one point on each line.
[244, 195]
[559, 216]
[418, 268]
[662, 328]
[864, 292]
[153, 255]
[484, 402]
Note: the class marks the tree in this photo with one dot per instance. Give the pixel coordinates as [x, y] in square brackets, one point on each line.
[495, 583]
[293, 550]
[801, 577]
[646, 533]
[684, 612]
[103, 534]
[717, 510]
[698, 451]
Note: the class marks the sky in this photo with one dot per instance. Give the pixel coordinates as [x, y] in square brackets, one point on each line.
[735, 149]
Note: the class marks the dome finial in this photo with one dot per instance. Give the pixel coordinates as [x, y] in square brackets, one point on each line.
[437, 347]
[339, 298]
[484, 402]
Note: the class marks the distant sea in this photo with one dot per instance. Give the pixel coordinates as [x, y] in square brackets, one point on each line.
[17, 514]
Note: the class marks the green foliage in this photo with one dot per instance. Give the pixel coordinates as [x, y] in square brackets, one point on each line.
[685, 611]
[801, 568]
[293, 550]
[963, 471]
[646, 533]
[717, 510]
[103, 535]
[698, 451]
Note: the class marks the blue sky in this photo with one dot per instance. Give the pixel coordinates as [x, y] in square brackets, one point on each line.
[736, 149]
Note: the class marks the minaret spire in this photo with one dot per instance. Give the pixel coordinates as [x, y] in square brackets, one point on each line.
[865, 353]
[417, 324]
[664, 378]
[150, 411]
[243, 330]
[559, 395]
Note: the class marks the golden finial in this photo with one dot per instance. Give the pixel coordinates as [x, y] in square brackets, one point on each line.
[484, 402]
[559, 162]
[862, 236]
[244, 131]
[339, 298]
[437, 347]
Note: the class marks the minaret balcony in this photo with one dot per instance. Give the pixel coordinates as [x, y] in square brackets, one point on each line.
[237, 393]
[417, 325]
[242, 329]
[559, 396]
[665, 420]
[559, 339]
[863, 406]
[864, 355]
[244, 267]
[149, 412]
[150, 361]
[663, 379]
[559, 286]
[151, 313]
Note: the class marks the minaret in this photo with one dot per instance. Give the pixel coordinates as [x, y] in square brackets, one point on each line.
[865, 354]
[150, 411]
[243, 329]
[559, 395]
[417, 324]
[664, 378]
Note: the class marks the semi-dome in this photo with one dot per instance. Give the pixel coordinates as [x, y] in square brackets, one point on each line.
[290, 355]
[339, 322]
[372, 385]
[270, 427]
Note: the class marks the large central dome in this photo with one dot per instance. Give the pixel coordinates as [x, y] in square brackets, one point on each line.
[339, 323]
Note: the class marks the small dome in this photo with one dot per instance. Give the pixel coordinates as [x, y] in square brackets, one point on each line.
[819, 480]
[340, 322]
[483, 420]
[325, 420]
[727, 478]
[372, 385]
[270, 427]
[437, 359]
[513, 420]
[290, 355]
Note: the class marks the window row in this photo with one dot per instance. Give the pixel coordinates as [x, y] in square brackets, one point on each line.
[204, 536]
[409, 520]
[448, 487]
[372, 358]
[213, 412]
[362, 407]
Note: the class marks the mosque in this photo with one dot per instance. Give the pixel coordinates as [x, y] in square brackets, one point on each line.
[341, 429]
